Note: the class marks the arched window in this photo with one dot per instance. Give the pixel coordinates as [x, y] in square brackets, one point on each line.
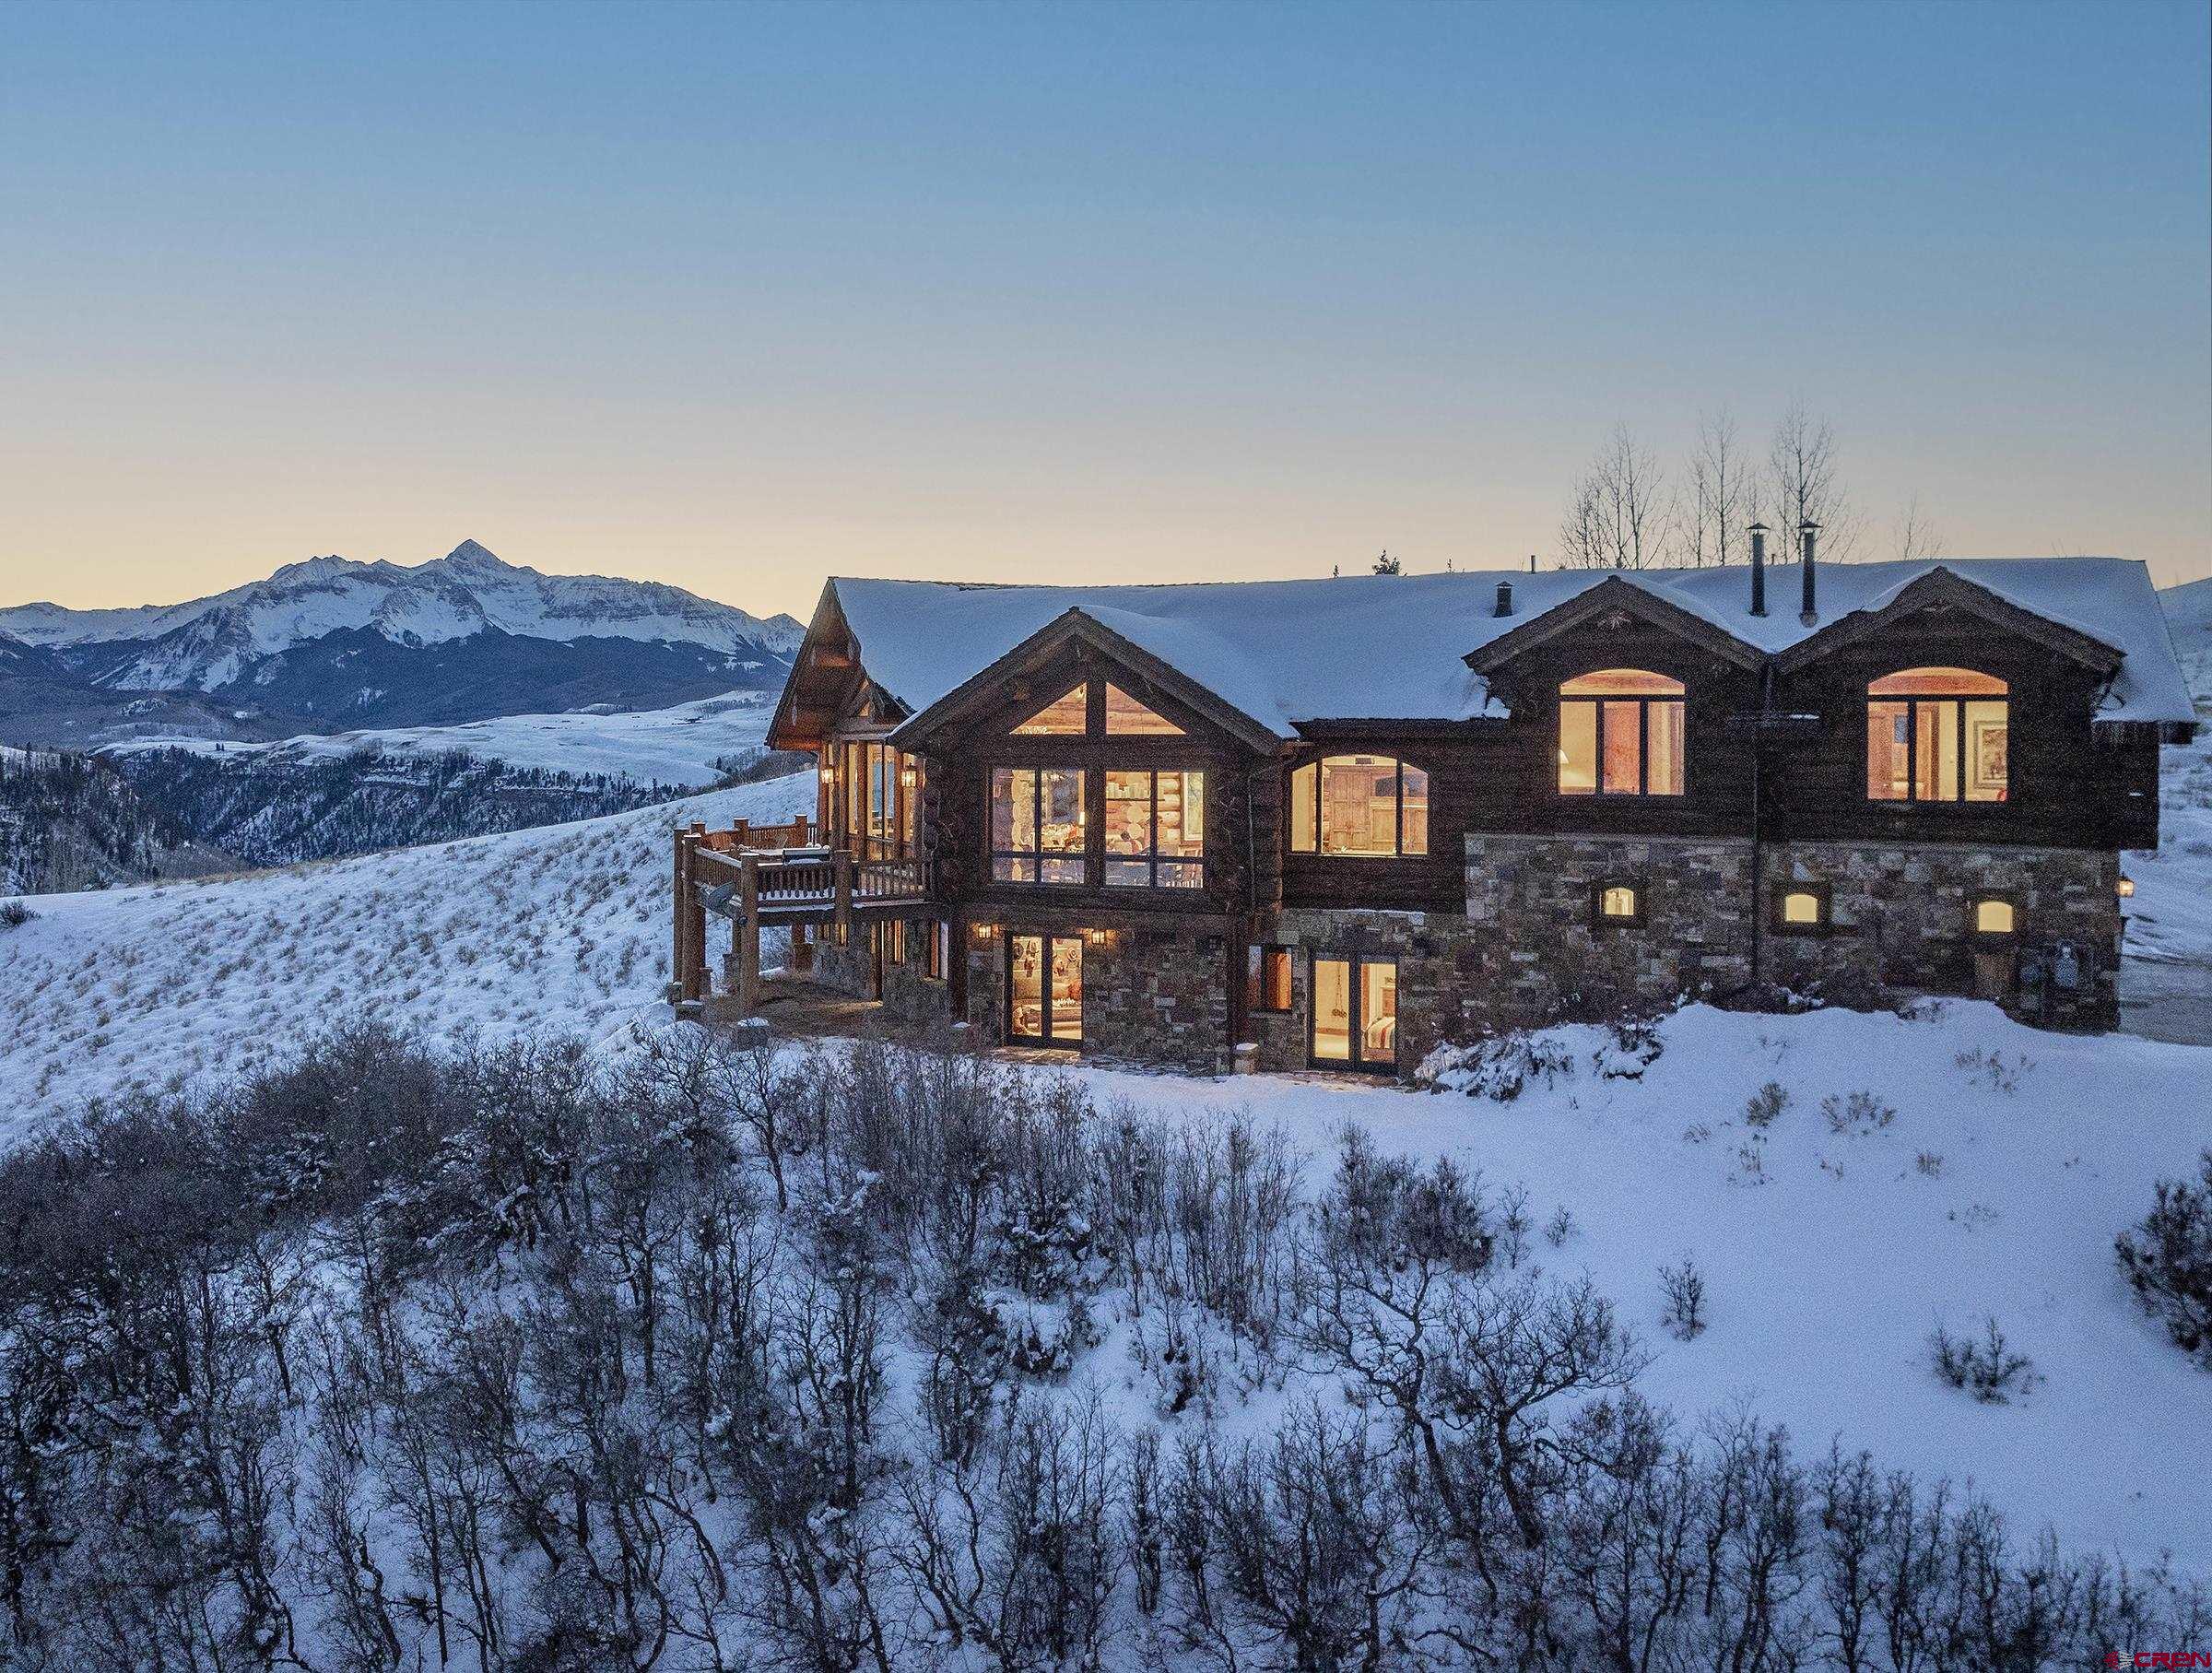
[1621, 733]
[1993, 916]
[1365, 806]
[1936, 735]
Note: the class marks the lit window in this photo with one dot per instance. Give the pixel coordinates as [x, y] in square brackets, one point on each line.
[1126, 717]
[1036, 825]
[1992, 917]
[1801, 908]
[1068, 716]
[1936, 735]
[1364, 805]
[1621, 733]
[1267, 978]
[1155, 834]
[1616, 902]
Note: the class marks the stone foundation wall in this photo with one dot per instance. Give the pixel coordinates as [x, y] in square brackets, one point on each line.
[1901, 922]
[1158, 997]
[1147, 998]
[1539, 955]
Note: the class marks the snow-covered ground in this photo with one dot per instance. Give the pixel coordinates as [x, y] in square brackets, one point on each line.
[563, 926]
[2012, 1159]
[676, 746]
[1829, 1256]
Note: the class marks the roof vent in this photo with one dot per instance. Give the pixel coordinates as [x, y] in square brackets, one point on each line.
[1505, 599]
[1805, 531]
[1759, 569]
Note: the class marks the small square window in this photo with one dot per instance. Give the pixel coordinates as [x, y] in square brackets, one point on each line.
[1994, 916]
[1617, 903]
[1801, 908]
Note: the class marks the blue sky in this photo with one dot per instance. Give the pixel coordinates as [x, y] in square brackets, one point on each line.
[736, 296]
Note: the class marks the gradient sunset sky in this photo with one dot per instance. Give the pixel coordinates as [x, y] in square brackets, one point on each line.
[736, 297]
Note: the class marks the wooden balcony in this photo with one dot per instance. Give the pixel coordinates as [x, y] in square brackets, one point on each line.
[784, 874]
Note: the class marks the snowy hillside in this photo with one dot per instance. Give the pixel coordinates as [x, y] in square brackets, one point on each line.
[563, 926]
[2189, 618]
[674, 746]
[1831, 1243]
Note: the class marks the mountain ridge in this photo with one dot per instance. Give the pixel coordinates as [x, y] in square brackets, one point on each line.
[329, 641]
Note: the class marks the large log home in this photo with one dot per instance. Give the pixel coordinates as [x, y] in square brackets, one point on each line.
[1332, 823]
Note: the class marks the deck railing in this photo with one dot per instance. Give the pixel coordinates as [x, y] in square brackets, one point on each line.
[778, 873]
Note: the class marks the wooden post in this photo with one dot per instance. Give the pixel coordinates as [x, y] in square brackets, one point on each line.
[680, 891]
[691, 921]
[843, 863]
[748, 934]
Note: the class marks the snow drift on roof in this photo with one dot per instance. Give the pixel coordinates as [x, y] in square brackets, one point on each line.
[1391, 647]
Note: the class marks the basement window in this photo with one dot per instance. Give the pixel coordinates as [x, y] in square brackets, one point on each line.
[1802, 909]
[1616, 904]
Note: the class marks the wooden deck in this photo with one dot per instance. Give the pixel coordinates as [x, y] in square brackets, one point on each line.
[775, 874]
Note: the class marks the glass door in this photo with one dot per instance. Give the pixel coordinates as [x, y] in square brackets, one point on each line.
[1044, 990]
[1355, 1014]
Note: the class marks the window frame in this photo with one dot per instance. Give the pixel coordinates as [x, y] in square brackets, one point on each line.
[1598, 703]
[1994, 938]
[1912, 701]
[1399, 766]
[1823, 923]
[1151, 858]
[1040, 856]
[1258, 957]
[1602, 919]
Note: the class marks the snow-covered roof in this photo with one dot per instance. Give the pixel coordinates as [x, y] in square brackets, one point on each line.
[1392, 647]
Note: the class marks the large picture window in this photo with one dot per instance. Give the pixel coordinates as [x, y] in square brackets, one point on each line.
[1361, 806]
[1621, 733]
[1155, 829]
[1936, 735]
[1037, 831]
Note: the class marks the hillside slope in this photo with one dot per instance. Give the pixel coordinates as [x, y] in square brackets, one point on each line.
[563, 926]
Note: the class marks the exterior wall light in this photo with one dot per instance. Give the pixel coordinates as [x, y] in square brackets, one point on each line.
[908, 777]
[2125, 888]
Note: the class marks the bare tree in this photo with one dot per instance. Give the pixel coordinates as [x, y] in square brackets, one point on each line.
[1720, 491]
[1916, 536]
[1620, 513]
[1801, 485]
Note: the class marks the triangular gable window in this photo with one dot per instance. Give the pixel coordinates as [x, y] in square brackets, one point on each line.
[1066, 717]
[1126, 717]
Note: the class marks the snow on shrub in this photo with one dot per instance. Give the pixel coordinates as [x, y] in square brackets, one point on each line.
[14, 914]
[2167, 1260]
[1501, 1068]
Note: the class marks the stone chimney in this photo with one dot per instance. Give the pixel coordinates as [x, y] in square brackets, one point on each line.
[1807, 614]
[1759, 569]
[1505, 599]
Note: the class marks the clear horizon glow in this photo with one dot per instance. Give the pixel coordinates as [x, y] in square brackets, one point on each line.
[736, 298]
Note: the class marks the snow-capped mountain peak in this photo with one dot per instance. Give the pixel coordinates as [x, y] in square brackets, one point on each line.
[332, 637]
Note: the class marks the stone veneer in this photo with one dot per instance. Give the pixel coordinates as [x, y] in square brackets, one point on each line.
[1901, 921]
[1149, 996]
[1527, 951]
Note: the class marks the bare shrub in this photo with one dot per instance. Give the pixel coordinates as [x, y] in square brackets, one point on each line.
[1765, 1106]
[1684, 1287]
[1986, 1368]
[1857, 1112]
[2167, 1260]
